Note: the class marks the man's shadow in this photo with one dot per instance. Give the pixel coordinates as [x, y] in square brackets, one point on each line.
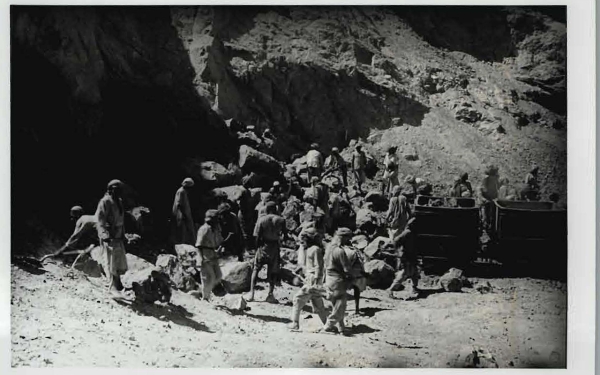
[168, 313]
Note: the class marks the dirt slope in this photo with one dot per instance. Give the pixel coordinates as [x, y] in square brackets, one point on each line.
[522, 323]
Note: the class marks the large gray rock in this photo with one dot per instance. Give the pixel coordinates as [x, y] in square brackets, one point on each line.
[452, 281]
[212, 173]
[251, 160]
[234, 193]
[379, 274]
[291, 213]
[182, 278]
[380, 202]
[366, 220]
[235, 303]
[300, 165]
[376, 245]
[236, 276]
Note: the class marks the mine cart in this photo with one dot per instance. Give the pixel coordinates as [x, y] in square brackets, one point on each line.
[531, 231]
[447, 227]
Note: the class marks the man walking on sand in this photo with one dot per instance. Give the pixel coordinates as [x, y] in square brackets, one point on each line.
[338, 278]
[110, 216]
[312, 290]
[208, 242]
[267, 232]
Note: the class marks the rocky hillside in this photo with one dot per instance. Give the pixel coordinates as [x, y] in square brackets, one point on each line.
[130, 93]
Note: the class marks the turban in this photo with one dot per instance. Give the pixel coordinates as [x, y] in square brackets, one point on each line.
[188, 182]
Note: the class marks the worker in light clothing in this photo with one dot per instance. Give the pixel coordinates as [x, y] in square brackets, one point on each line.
[398, 212]
[183, 230]
[312, 290]
[314, 162]
[338, 278]
[336, 165]
[111, 232]
[359, 164]
[390, 175]
[208, 242]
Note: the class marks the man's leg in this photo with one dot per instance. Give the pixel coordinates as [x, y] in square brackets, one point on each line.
[398, 280]
[319, 307]
[256, 269]
[300, 299]
[207, 276]
[356, 299]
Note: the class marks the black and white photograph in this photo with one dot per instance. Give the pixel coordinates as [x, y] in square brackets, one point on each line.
[298, 186]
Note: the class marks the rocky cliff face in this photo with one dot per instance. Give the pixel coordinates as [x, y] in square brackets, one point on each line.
[119, 92]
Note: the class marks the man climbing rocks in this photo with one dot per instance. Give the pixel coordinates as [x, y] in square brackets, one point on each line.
[183, 229]
[208, 243]
[462, 187]
[314, 161]
[336, 165]
[110, 216]
[267, 232]
[407, 267]
[390, 175]
[313, 267]
[231, 230]
[83, 236]
[398, 212]
[359, 163]
[489, 191]
[338, 278]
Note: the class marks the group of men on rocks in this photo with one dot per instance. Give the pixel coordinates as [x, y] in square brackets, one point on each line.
[328, 262]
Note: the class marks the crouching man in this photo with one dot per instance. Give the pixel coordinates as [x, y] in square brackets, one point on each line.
[312, 290]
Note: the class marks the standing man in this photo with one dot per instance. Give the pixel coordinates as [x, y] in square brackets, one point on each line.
[267, 232]
[336, 163]
[314, 161]
[313, 267]
[338, 271]
[183, 230]
[232, 231]
[489, 191]
[110, 226]
[208, 243]
[84, 235]
[407, 267]
[390, 176]
[398, 212]
[359, 163]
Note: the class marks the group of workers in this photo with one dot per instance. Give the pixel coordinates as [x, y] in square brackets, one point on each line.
[327, 271]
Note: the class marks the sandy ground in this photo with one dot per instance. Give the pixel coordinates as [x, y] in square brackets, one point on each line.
[62, 321]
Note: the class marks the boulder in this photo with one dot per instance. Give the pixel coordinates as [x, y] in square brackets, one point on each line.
[475, 358]
[376, 245]
[380, 202]
[411, 156]
[235, 303]
[379, 274]
[212, 173]
[234, 193]
[150, 285]
[249, 139]
[236, 276]
[251, 160]
[366, 220]
[300, 165]
[360, 242]
[451, 281]
[180, 278]
[288, 276]
[254, 196]
[291, 213]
